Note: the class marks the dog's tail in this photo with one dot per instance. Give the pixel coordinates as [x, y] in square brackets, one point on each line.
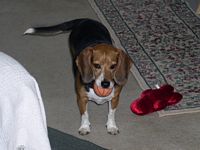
[53, 30]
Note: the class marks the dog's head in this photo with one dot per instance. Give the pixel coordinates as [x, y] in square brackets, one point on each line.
[104, 64]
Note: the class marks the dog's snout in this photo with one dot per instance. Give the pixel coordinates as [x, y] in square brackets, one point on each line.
[105, 84]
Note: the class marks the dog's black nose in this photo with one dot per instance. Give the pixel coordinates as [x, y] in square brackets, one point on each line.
[105, 84]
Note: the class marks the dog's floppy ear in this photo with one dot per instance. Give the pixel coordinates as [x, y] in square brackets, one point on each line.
[83, 62]
[122, 69]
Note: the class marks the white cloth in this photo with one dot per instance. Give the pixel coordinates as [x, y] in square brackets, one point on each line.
[22, 116]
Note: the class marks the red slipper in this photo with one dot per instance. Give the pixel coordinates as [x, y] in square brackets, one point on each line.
[152, 100]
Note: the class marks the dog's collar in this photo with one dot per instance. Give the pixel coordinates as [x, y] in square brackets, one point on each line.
[88, 86]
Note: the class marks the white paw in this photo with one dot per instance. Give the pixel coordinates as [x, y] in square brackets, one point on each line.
[85, 124]
[112, 129]
[84, 130]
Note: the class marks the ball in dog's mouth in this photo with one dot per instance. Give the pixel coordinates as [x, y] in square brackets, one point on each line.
[102, 92]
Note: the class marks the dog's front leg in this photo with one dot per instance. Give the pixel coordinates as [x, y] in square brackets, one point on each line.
[82, 101]
[111, 124]
[85, 123]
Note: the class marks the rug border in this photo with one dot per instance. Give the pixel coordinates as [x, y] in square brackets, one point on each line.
[134, 69]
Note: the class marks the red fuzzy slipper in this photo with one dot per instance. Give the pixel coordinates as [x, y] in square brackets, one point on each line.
[152, 100]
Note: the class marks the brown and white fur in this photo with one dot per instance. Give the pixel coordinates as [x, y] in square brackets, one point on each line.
[96, 61]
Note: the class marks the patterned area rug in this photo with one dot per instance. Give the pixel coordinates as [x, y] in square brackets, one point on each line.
[162, 38]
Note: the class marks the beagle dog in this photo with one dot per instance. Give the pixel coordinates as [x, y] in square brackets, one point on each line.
[96, 61]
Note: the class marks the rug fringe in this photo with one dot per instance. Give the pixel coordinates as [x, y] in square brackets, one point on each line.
[163, 113]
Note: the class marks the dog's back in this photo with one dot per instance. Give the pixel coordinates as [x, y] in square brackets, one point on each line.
[84, 32]
[88, 33]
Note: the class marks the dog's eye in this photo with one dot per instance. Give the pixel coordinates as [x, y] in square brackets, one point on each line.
[113, 66]
[97, 66]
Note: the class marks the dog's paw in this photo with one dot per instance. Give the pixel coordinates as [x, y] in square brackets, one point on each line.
[84, 130]
[113, 130]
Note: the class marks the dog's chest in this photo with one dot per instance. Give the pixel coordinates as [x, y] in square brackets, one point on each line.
[97, 99]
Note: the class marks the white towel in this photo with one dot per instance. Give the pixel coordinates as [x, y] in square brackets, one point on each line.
[22, 116]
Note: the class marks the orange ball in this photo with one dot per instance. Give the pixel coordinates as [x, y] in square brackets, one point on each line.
[102, 92]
